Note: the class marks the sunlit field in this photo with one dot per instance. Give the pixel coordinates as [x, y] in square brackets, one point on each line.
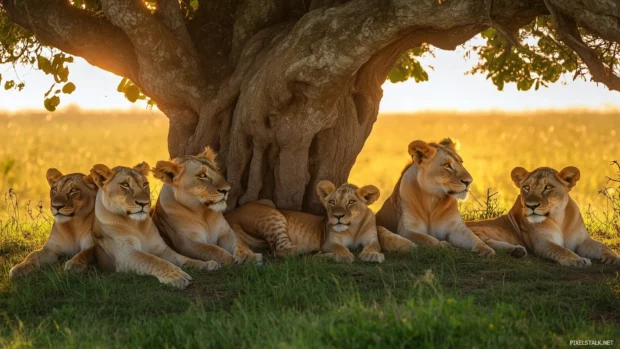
[430, 297]
[492, 144]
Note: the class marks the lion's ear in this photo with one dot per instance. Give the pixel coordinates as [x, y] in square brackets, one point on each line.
[209, 154]
[570, 175]
[324, 188]
[100, 173]
[368, 194]
[143, 168]
[451, 144]
[88, 180]
[420, 150]
[518, 174]
[52, 175]
[166, 171]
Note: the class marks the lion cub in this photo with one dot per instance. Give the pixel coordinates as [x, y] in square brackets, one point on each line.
[423, 206]
[546, 220]
[126, 238]
[72, 199]
[348, 223]
[189, 210]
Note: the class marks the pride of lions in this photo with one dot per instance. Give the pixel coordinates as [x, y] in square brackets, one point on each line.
[105, 218]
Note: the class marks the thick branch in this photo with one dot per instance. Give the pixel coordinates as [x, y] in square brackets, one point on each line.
[169, 11]
[77, 32]
[169, 70]
[569, 33]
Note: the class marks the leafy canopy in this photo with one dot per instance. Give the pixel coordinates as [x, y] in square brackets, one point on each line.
[541, 59]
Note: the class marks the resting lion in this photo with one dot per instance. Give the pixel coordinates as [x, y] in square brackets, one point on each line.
[72, 199]
[348, 223]
[189, 210]
[423, 206]
[544, 219]
[126, 238]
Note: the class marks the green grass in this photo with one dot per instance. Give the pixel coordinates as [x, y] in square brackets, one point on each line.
[466, 302]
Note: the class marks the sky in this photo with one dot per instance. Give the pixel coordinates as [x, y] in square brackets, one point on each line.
[448, 88]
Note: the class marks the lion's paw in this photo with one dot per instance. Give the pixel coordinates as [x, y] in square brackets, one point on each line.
[373, 257]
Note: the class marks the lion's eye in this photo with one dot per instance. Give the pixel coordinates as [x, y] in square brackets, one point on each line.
[351, 202]
[146, 184]
[548, 187]
[74, 190]
[202, 175]
[526, 187]
[447, 166]
[332, 203]
[125, 185]
[54, 190]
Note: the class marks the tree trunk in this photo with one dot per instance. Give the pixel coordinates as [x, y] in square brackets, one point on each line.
[286, 91]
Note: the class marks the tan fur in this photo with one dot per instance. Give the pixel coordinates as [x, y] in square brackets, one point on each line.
[72, 199]
[423, 206]
[189, 210]
[551, 227]
[348, 223]
[125, 236]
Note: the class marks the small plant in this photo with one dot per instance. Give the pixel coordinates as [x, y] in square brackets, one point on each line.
[608, 222]
[487, 209]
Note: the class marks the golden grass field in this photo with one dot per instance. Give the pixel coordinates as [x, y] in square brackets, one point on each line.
[492, 143]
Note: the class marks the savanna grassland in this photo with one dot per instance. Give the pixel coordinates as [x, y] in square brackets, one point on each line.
[427, 298]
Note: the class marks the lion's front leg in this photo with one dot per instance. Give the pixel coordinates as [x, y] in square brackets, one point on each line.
[80, 262]
[134, 261]
[181, 261]
[240, 250]
[597, 250]
[337, 252]
[391, 242]
[463, 237]
[544, 247]
[372, 252]
[34, 260]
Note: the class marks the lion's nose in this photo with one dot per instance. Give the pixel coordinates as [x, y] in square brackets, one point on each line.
[223, 191]
[532, 207]
[467, 182]
[338, 215]
[58, 207]
[142, 203]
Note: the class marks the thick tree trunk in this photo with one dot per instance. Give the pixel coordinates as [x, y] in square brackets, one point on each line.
[287, 91]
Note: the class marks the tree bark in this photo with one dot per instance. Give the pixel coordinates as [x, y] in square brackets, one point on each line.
[287, 91]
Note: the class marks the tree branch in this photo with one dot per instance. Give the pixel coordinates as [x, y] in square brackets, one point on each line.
[569, 33]
[169, 11]
[169, 71]
[77, 32]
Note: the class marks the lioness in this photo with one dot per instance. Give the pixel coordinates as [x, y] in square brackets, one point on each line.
[544, 219]
[72, 199]
[348, 223]
[126, 238]
[189, 210]
[423, 206]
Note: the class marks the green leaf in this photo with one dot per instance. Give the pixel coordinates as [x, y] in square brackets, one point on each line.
[132, 93]
[9, 84]
[68, 88]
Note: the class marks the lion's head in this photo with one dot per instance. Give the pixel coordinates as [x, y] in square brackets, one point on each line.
[441, 170]
[125, 191]
[544, 191]
[346, 204]
[195, 180]
[71, 195]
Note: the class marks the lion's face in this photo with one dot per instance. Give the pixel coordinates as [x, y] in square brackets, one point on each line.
[196, 180]
[125, 190]
[441, 170]
[346, 204]
[544, 191]
[71, 195]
